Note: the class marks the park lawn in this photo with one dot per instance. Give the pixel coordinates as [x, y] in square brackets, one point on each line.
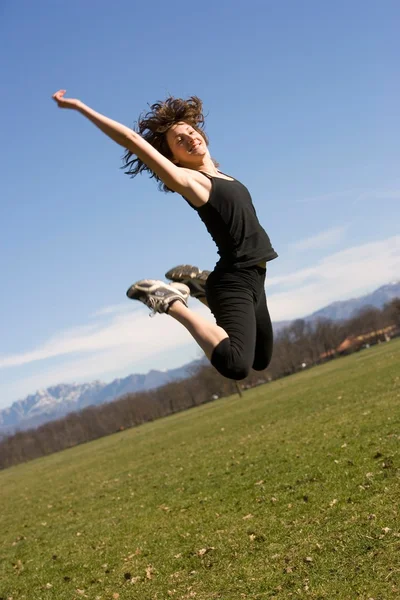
[289, 492]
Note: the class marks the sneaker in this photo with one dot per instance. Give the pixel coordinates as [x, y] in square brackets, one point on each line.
[158, 295]
[192, 277]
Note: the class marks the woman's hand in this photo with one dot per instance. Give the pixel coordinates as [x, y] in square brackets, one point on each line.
[65, 102]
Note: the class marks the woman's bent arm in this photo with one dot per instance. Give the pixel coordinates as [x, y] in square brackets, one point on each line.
[174, 177]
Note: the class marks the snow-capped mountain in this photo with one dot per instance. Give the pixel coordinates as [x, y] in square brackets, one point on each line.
[346, 309]
[57, 401]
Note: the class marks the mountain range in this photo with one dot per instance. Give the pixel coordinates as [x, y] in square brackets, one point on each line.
[346, 309]
[57, 401]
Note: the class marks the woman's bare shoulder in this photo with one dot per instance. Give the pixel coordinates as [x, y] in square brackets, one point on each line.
[198, 187]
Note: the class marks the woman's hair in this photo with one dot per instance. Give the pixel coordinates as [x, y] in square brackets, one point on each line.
[153, 127]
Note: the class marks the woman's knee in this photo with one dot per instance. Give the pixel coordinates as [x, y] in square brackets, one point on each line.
[260, 364]
[263, 354]
[229, 364]
[236, 371]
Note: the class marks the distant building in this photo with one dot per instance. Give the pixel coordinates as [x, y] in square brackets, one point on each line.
[356, 342]
[353, 343]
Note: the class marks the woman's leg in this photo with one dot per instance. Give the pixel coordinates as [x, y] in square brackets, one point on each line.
[230, 343]
[207, 335]
[231, 296]
[264, 335]
[172, 298]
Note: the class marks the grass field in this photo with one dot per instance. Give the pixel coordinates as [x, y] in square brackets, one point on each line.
[292, 491]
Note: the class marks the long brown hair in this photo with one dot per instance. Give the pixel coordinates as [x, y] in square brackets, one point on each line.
[153, 126]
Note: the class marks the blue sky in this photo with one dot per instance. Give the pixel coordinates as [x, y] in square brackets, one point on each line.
[303, 107]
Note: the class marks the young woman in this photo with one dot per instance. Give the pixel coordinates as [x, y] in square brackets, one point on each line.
[171, 145]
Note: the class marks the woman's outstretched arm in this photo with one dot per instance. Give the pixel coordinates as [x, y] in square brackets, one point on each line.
[174, 177]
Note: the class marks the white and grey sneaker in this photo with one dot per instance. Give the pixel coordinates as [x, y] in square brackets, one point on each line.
[158, 295]
[193, 277]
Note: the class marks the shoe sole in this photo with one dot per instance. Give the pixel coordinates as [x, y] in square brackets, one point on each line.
[187, 272]
[191, 276]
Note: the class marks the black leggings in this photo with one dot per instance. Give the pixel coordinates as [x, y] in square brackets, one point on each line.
[237, 300]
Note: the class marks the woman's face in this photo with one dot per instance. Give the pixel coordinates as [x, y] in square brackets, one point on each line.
[186, 144]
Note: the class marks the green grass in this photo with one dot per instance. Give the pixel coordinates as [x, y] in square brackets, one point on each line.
[290, 492]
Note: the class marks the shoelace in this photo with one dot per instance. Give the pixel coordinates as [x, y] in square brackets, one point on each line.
[152, 304]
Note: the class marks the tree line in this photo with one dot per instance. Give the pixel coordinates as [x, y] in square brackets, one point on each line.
[300, 345]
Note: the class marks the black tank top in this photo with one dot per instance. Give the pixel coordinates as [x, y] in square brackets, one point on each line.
[231, 220]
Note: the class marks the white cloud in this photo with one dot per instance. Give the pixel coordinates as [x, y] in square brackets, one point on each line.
[379, 194]
[114, 309]
[130, 342]
[320, 240]
[342, 275]
[132, 331]
[355, 195]
[104, 365]
[118, 339]
[117, 329]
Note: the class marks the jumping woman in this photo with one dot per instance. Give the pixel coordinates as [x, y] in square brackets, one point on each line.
[171, 145]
